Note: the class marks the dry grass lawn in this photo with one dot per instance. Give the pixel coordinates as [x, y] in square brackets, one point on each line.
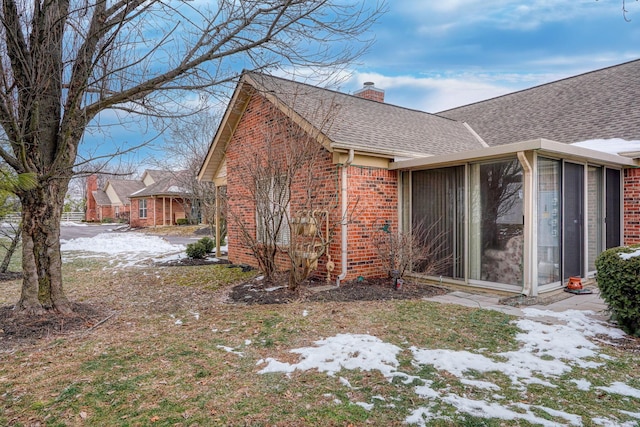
[174, 353]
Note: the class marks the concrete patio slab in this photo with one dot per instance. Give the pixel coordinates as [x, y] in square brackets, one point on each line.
[590, 302]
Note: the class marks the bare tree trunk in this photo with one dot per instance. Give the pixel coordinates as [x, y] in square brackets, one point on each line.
[11, 249]
[42, 260]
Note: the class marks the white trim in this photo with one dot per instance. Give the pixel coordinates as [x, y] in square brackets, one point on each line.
[475, 134]
[567, 151]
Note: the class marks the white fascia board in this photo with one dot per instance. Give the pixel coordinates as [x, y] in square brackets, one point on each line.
[542, 145]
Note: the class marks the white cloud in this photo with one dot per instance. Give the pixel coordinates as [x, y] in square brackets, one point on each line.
[435, 93]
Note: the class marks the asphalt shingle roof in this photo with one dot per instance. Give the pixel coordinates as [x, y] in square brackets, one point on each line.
[101, 198]
[124, 187]
[601, 104]
[169, 184]
[375, 127]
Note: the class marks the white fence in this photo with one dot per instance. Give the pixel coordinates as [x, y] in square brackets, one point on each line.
[14, 217]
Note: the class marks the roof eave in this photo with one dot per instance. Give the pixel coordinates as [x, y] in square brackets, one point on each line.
[542, 145]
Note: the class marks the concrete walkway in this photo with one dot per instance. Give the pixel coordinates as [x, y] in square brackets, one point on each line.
[591, 302]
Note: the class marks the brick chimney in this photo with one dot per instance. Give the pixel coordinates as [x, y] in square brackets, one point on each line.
[91, 207]
[369, 91]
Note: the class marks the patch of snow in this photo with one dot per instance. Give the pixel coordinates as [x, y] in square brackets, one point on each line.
[609, 423]
[343, 351]
[631, 414]
[178, 322]
[73, 224]
[546, 352]
[230, 350]
[366, 406]
[305, 313]
[274, 288]
[583, 385]
[485, 385]
[482, 409]
[611, 146]
[345, 382]
[121, 243]
[621, 389]
[629, 255]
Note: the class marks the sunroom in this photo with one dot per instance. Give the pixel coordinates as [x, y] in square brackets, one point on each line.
[520, 218]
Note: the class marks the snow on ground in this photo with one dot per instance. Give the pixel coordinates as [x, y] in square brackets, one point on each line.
[122, 249]
[545, 353]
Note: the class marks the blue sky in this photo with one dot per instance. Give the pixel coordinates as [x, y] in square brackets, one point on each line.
[435, 55]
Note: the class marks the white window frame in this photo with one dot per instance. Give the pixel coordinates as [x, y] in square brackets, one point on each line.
[275, 201]
[142, 208]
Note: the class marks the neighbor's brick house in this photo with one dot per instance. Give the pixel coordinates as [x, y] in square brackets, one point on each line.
[158, 198]
[546, 156]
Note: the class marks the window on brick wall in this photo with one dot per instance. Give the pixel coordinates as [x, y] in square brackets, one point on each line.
[272, 211]
[142, 208]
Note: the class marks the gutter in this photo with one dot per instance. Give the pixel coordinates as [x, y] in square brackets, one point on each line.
[343, 222]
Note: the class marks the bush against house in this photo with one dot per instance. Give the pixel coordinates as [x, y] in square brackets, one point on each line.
[619, 282]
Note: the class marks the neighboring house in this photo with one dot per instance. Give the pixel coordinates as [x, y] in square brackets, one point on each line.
[162, 201]
[110, 202]
[520, 192]
[158, 198]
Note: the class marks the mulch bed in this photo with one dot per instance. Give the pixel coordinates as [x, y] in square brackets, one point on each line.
[259, 292]
[18, 329]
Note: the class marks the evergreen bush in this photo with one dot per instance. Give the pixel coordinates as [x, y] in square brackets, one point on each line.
[619, 282]
[208, 243]
[196, 250]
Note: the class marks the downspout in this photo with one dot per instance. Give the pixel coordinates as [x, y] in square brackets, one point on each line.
[343, 222]
[527, 247]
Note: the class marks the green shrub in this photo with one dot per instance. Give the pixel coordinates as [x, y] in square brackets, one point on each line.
[619, 282]
[208, 243]
[107, 220]
[196, 250]
[182, 221]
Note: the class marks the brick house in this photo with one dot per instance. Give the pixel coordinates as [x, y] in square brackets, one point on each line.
[158, 198]
[111, 202]
[520, 191]
[163, 200]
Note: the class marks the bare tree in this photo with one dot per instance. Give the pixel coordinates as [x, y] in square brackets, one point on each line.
[10, 232]
[418, 249]
[63, 63]
[189, 140]
[295, 211]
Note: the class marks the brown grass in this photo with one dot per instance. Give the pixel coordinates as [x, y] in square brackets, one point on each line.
[141, 368]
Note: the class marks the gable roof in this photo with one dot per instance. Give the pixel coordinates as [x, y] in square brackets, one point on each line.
[351, 122]
[341, 121]
[601, 104]
[124, 187]
[101, 198]
[156, 174]
[169, 184]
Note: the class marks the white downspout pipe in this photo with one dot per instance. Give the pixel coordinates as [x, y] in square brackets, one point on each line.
[343, 222]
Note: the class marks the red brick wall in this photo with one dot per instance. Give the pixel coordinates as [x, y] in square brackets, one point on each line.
[91, 214]
[371, 93]
[155, 212]
[631, 206]
[373, 194]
